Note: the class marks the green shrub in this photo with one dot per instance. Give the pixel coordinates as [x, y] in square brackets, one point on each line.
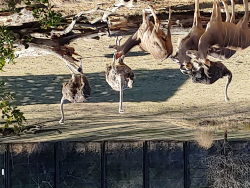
[6, 47]
[45, 15]
[9, 113]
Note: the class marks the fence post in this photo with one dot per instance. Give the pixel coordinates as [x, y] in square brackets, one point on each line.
[145, 165]
[186, 164]
[103, 165]
[7, 166]
[56, 161]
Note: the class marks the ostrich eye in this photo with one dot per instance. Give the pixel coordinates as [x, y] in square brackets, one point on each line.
[164, 38]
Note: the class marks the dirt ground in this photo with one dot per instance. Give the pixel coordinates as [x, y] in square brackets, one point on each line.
[163, 103]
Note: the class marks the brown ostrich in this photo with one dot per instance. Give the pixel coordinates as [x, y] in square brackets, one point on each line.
[204, 74]
[149, 37]
[224, 34]
[191, 40]
[119, 77]
[76, 90]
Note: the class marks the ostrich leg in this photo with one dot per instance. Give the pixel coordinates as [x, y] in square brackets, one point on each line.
[233, 12]
[121, 93]
[226, 10]
[61, 108]
[157, 22]
[228, 82]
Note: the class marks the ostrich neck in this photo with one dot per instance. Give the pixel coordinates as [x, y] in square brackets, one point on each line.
[130, 43]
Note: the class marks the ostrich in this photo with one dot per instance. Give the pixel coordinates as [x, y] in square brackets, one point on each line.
[205, 74]
[119, 77]
[149, 37]
[76, 90]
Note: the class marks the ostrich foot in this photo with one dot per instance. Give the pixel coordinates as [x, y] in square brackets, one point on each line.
[61, 121]
[227, 99]
[146, 10]
[121, 111]
[150, 9]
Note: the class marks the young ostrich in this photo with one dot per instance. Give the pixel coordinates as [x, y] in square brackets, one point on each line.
[119, 77]
[205, 74]
[76, 90]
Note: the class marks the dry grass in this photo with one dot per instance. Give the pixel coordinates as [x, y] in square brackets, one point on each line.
[166, 145]
[73, 7]
[123, 145]
[147, 118]
[80, 147]
[204, 139]
[231, 170]
[246, 126]
[28, 148]
[68, 7]
[190, 106]
[83, 147]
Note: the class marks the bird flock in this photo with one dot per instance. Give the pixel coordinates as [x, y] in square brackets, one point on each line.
[220, 40]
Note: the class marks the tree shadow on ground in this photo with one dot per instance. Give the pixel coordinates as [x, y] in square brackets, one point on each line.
[129, 54]
[150, 85]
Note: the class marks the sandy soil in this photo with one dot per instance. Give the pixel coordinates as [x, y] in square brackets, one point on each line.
[163, 104]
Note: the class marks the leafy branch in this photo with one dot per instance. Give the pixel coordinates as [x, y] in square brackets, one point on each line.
[6, 47]
[45, 15]
[9, 112]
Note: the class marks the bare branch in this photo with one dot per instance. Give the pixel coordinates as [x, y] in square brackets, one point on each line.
[63, 52]
[109, 12]
[71, 26]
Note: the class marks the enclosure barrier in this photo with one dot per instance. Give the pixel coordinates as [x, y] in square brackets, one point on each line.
[107, 164]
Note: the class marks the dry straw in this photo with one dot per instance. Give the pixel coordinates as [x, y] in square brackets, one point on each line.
[28, 148]
[82, 147]
[123, 145]
[204, 138]
[79, 147]
[156, 145]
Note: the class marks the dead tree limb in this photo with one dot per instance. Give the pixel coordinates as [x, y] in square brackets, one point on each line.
[73, 23]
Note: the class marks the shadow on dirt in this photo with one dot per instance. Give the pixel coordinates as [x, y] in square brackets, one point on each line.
[129, 54]
[150, 85]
